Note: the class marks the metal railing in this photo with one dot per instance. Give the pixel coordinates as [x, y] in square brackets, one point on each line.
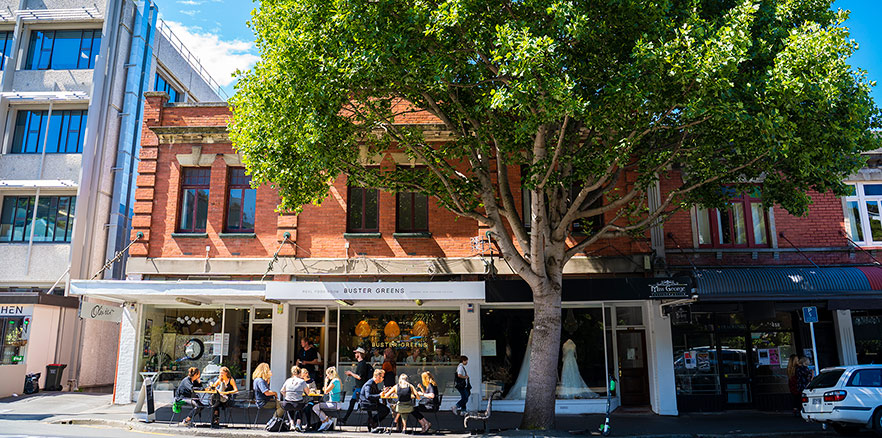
[192, 59]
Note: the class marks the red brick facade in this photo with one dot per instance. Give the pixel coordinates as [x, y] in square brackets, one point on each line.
[319, 230]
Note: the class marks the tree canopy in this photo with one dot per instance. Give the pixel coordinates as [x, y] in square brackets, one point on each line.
[576, 93]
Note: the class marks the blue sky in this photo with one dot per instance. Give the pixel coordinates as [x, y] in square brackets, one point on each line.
[216, 31]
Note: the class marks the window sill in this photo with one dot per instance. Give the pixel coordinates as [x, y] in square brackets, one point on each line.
[362, 235]
[417, 235]
[189, 235]
[238, 235]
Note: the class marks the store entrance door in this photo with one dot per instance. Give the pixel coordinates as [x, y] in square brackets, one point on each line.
[319, 327]
[734, 351]
[633, 372]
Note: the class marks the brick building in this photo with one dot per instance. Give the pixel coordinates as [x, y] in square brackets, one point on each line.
[220, 271]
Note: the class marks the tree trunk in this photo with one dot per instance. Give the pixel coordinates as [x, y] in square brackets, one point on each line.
[544, 354]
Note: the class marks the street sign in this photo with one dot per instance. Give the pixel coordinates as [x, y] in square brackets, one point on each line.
[810, 314]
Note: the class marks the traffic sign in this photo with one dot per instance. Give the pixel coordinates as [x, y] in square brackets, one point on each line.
[810, 314]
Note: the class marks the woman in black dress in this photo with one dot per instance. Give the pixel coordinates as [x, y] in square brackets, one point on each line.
[428, 393]
[225, 387]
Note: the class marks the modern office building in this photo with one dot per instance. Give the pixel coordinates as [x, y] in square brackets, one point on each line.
[74, 73]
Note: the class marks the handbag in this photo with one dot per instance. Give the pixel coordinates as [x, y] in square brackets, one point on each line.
[278, 424]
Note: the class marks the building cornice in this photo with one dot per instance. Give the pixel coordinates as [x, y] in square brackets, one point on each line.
[191, 134]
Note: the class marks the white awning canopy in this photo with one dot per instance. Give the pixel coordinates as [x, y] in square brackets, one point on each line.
[171, 292]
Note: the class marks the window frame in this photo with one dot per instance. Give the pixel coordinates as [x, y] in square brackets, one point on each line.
[167, 88]
[33, 203]
[413, 228]
[714, 218]
[62, 133]
[33, 60]
[241, 187]
[349, 226]
[21, 349]
[183, 191]
[865, 226]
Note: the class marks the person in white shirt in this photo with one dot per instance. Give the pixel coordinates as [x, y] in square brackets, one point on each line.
[462, 384]
[414, 357]
[293, 391]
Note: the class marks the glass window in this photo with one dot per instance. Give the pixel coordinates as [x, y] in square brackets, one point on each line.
[867, 325]
[695, 363]
[826, 379]
[863, 222]
[63, 49]
[54, 220]
[629, 315]
[63, 136]
[241, 203]
[412, 212]
[505, 344]
[161, 84]
[363, 210]
[5, 48]
[744, 223]
[867, 378]
[853, 221]
[174, 340]
[12, 340]
[194, 199]
[416, 340]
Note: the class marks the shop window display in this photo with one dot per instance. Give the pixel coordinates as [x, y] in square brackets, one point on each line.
[867, 340]
[506, 338]
[419, 341]
[174, 340]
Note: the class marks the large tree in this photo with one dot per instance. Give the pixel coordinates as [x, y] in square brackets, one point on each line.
[577, 93]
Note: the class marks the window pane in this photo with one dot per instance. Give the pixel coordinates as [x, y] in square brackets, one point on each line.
[740, 226]
[873, 189]
[629, 316]
[875, 221]
[405, 211]
[371, 209]
[41, 225]
[421, 212]
[62, 219]
[704, 228]
[850, 190]
[188, 201]
[34, 132]
[853, 221]
[201, 209]
[57, 127]
[23, 218]
[758, 215]
[355, 206]
[234, 209]
[725, 228]
[249, 206]
[66, 49]
[18, 139]
[6, 216]
[527, 208]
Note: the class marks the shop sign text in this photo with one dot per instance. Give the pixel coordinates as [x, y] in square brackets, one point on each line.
[318, 290]
[100, 312]
[669, 289]
[16, 310]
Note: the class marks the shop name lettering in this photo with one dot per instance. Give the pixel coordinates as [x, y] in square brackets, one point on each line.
[667, 287]
[373, 290]
[100, 310]
[12, 310]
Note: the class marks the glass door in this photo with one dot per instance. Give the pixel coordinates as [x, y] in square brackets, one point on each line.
[735, 369]
[311, 336]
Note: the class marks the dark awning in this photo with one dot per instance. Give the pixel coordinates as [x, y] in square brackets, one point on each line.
[790, 283]
[595, 289]
[39, 298]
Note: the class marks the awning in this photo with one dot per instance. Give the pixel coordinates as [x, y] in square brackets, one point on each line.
[171, 292]
[790, 283]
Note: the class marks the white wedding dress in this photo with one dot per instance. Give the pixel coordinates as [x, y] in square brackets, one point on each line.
[571, 384]
[519, 389]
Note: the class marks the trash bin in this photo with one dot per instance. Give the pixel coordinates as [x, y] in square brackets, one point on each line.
[53, 376]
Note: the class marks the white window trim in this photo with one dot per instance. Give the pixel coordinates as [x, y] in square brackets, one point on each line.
[862, 200]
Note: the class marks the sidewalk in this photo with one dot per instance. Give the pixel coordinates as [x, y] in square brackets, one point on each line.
[95, 409]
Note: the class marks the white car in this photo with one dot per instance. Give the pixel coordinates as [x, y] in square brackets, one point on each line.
[849, 398]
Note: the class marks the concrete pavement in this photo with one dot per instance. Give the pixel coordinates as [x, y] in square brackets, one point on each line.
[77, 414]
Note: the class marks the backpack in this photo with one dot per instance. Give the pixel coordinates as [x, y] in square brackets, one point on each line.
[278, 424]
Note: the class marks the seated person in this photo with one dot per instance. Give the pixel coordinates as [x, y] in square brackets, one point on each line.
[263, 396]
[293, 392]
[184, 393]
[428, 392]
[369, 400]
[405, 392]
[225, 386]
[333, 388]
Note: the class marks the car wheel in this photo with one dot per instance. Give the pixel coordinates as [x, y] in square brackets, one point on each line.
[846, 429]
[877, 421]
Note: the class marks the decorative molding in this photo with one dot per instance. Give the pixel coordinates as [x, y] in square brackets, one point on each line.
[191, 134]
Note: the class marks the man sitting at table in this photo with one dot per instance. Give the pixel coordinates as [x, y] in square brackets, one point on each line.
[369, 399]
[184, 394]
[293, 392]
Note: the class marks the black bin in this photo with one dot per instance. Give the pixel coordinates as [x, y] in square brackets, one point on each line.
[53, 376]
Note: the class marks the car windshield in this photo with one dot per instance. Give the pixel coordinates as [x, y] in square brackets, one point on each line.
[826, 379]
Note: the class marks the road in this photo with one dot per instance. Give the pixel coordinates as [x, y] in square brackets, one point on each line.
[32, 428]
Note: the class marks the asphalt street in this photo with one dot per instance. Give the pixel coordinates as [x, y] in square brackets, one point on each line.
[36, 428]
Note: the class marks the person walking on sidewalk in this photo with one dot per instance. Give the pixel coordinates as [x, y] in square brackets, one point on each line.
[462, 384]
[363, 373]
[795, 394]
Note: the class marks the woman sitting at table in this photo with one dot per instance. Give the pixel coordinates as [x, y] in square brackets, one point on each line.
[310, 383]
[225, 387]
[428, 393]
[333, 388]
[263, 396]
[293, 392]
[405, 393]
[184, 394]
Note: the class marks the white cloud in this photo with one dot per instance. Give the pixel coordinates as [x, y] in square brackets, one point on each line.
[191, 12]
[220, 57]
[190, 2]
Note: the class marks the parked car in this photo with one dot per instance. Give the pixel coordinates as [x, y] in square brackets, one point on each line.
[848, 398]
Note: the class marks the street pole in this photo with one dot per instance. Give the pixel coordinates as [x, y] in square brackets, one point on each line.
[814, 349]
